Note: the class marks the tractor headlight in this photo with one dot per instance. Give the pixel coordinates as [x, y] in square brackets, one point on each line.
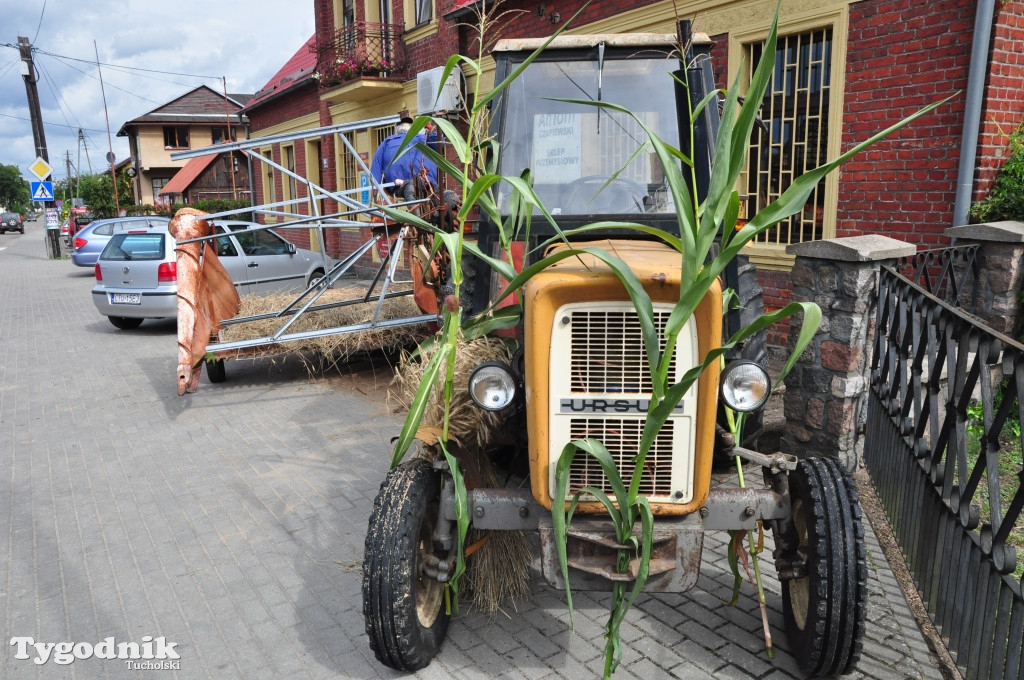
[492, 386]
[745, 386]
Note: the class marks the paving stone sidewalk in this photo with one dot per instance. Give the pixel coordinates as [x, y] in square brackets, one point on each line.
[231, 522]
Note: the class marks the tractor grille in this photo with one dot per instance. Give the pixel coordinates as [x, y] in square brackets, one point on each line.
[622, 439]
[608, 353]
[599, 364]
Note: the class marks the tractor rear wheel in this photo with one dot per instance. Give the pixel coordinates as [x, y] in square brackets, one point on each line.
[403, 606]
[824, 607]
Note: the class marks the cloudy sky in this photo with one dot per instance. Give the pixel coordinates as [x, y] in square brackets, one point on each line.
[177, 43]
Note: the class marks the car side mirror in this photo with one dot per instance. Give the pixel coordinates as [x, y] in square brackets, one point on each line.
[291, 248]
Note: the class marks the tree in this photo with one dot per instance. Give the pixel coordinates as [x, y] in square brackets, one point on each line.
[14, 190]
[98, 193]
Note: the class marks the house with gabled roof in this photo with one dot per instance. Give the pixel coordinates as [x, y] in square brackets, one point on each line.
[198, 118]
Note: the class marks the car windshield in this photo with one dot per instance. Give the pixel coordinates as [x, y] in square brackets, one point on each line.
[573, 150]
[149, 246]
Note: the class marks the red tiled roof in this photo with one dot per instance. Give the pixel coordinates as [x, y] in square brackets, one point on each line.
[188, 174]
[297, 69]
[462, 8]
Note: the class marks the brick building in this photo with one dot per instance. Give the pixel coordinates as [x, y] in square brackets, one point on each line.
[851, 68]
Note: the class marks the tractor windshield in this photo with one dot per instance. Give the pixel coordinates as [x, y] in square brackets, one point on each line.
[572, 150]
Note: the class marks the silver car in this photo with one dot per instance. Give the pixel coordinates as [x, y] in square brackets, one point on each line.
[136, 274]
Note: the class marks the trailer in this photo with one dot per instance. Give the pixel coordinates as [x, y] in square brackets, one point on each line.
[389, 239]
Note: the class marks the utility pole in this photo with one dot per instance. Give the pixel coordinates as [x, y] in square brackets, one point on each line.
[111, 158]
[28, 72]
[67, 164]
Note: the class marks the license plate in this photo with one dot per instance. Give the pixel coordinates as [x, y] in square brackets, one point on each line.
[125, 298]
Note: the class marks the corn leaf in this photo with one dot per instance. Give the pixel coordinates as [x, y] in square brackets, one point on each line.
[419, 404]
[461, 522]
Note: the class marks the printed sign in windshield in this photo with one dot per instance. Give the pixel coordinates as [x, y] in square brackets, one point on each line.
[557, 147]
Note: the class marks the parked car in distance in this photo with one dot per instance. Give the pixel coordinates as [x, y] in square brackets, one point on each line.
[137, 276]
[11, 221]
[93, 237]
[261, 262]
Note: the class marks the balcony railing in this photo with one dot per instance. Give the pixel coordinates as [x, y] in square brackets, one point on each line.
[361, 49]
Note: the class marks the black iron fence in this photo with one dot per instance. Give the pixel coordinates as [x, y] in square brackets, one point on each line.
[943, 448]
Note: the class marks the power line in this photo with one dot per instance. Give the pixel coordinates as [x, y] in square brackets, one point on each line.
[119, 66]
[7, 68]
[57, 97]
[40, 22]
[73, 127]
[86, 73]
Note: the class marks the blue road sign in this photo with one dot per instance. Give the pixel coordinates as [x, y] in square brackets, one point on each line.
[364, 182]
[42, 191]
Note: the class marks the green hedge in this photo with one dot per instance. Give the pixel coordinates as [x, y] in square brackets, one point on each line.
[1005, 199]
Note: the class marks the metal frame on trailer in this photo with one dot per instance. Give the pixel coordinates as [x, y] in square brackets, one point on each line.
[318, 221]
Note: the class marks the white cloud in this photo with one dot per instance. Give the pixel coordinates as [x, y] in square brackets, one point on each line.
[244, 42]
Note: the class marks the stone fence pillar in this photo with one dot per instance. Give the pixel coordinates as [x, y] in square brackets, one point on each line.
[1001, 272]
[826, 392]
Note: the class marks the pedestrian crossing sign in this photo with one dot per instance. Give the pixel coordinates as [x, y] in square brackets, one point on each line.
[42, 191]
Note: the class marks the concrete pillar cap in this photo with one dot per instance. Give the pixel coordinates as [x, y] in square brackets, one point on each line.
[1007, 231]
[853, 249]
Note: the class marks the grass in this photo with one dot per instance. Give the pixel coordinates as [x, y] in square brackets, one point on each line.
[1011, 461]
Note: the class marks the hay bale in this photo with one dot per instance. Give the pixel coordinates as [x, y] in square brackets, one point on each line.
[330, 349]
[468, 424]
[499, 569]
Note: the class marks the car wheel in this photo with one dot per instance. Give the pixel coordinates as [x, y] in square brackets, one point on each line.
[315, 277]
[125, 323]
[403, 607]
[215, 371]
[825, 605]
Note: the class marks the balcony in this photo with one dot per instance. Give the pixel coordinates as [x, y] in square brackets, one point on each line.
[363, 60]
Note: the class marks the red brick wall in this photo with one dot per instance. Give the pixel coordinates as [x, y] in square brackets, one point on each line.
[1004, 97]
[300, 101]
[900, 57]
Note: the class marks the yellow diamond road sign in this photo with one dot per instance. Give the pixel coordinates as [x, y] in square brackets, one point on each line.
[40, 168]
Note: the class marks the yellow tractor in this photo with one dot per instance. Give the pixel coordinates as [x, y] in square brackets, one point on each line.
[580, 371]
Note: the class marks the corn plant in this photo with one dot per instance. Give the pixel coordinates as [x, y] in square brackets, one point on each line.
[474, 171]
[700, 223]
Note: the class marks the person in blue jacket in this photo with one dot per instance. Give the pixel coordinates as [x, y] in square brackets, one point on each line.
[388, 166]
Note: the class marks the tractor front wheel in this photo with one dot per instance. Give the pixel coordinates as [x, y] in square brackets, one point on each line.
[403, 605]
[824, 604]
